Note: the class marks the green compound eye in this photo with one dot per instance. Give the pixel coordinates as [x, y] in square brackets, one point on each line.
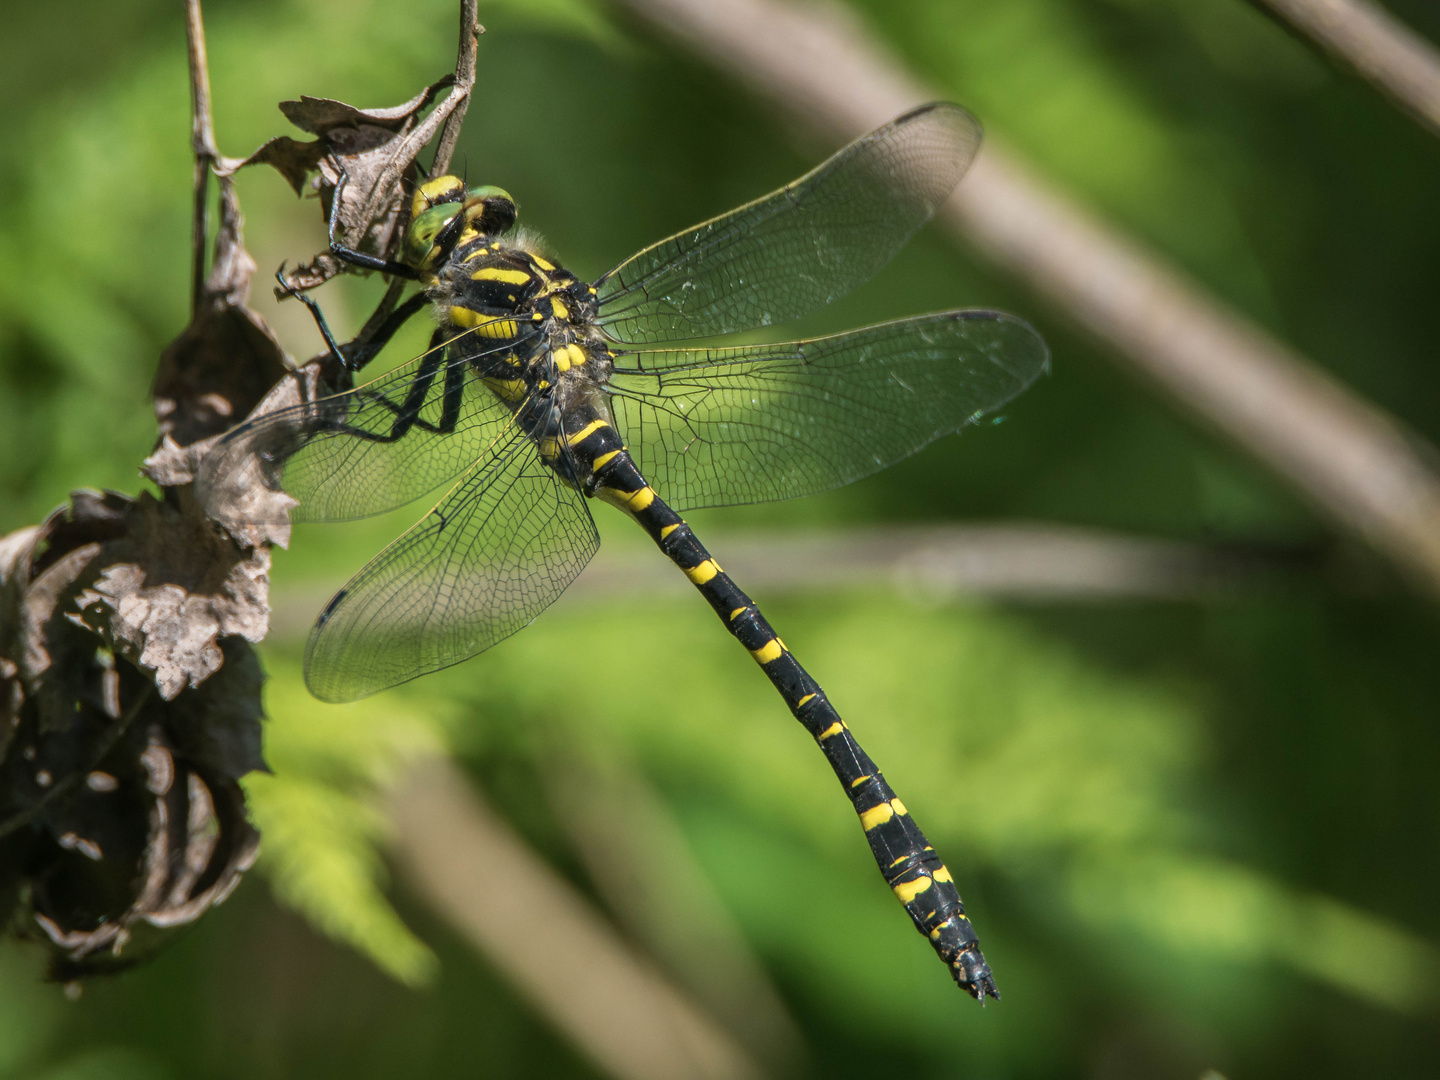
[420, 237]
[442, 189]
[489, 210]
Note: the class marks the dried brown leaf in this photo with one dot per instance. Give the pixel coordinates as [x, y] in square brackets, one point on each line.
[320, 116]
[166, 593]
[149, 847]
[119, 808]
[129, 692]
[291, 158]
[252, 513]
[372, 151]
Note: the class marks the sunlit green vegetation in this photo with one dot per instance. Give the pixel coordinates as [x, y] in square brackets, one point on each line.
[1192, 835]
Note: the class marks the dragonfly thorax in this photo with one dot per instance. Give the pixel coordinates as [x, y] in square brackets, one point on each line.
[525, 325]
[487, 280]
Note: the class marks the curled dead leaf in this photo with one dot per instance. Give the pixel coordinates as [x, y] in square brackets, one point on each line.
[120, 810]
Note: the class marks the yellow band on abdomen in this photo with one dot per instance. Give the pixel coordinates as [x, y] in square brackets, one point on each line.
[909, 890]
[699, 575]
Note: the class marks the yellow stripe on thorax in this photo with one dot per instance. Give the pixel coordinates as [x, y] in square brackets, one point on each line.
[509, 390]
[501, 274]
[567, 357]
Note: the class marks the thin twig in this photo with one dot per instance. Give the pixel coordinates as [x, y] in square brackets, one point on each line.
[70, 782]
[645, 871]
[470, 30]
[447, 115]
[548, 941]
[1016, 561]
[1345, 455]
[202, 142]
[1377, 46]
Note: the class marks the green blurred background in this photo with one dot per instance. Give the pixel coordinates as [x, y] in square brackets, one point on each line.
[1192, 835]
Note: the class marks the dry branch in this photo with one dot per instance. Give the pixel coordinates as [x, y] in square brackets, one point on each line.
[1343, 454]
[1012, 561]
[1376, 45]
[560, 954]
[637, 858]
[470, 30]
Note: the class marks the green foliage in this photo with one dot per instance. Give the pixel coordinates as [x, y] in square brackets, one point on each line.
[1102, 813]
[321, 819]
[1191, 836]
[115, 1064]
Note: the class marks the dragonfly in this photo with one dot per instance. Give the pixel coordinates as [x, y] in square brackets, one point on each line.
[541, 393]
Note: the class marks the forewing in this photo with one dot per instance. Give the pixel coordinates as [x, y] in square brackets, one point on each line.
[496, 551]
[716, 427]
[336, 456]
[800, 247]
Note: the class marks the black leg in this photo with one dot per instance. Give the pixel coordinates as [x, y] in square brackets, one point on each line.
[315, 313]
[407, 412]
[348, 356]
[359, 258]
[396, 319]
[454, 388]
[374, 262]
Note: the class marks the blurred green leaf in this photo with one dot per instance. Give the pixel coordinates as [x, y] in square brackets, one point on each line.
[1191, 836]
[109, 1064]
[320, 816]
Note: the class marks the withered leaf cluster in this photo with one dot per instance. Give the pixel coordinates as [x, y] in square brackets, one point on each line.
[130, 692]
[129, 709]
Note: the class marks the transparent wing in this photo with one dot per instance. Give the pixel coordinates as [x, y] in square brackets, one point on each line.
[716, 427]
[340, 458]
[496, 551]
[800, 247]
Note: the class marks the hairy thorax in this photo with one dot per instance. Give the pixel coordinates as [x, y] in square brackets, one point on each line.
[526, 326]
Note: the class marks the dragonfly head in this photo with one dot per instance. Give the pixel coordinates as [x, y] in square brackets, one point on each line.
[443, 213]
